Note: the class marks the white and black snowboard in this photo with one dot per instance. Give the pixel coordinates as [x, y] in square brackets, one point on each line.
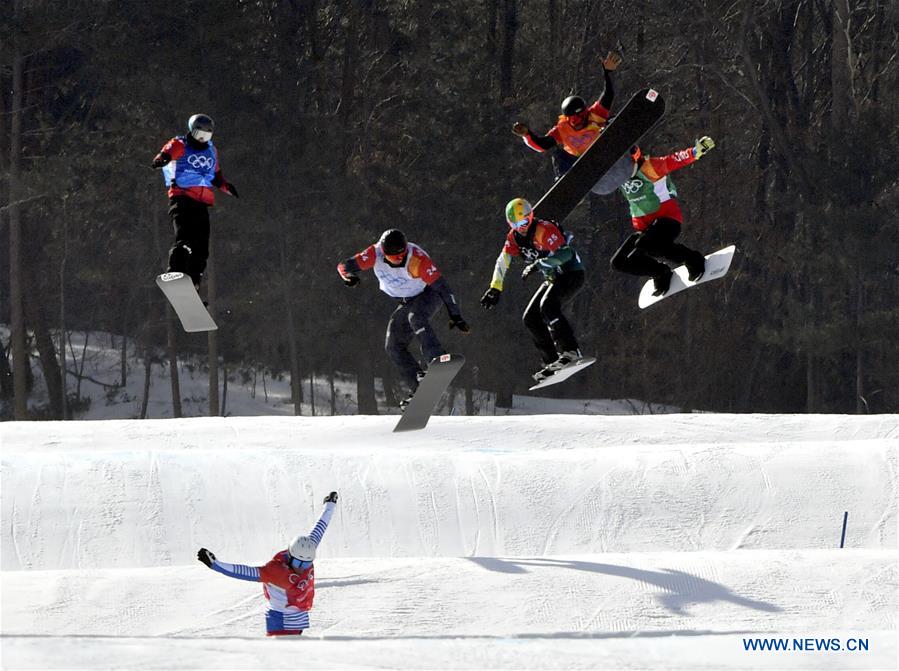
[565, 372]
[438, 377]
[716, 267]
[183, 296]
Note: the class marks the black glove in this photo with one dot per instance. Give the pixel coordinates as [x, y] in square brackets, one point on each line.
[206, 557]
[490, 298]
[331, 498]
[160, 161]
[350, 280]
[456, 321]
[229, 187]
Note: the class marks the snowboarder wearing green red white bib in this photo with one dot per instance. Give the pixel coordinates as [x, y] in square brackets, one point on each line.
[657, 218]
[545, 248]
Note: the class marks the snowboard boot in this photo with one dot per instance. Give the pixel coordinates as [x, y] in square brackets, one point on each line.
[662, 282]
[695, 266]
[419, 376]
[565, 358]
[543, 373]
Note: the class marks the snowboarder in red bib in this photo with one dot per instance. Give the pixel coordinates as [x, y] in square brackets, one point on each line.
[577, 128]
[190, 166]
[657, 218]
[405, 272]
[545, 248]
[288, 580]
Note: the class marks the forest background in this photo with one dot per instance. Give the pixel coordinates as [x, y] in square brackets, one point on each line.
[337, 120]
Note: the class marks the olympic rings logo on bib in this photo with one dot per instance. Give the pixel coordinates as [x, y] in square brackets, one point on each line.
[198, 161]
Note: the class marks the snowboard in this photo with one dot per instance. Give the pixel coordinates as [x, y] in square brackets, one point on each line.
[639, 115]
[438, 377]
[180, 291]
[716, 266]
[565, 372]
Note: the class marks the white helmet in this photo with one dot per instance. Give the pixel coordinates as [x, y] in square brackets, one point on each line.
[302, 548]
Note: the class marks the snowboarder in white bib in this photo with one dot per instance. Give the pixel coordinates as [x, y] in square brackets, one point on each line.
[405, 272]
[657, 218]
[545, 248]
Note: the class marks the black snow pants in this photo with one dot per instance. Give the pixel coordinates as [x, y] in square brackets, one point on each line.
[411, 319]
[543, 316]
[637, 256]
[190, 219]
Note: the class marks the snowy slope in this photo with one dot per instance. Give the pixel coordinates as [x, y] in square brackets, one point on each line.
[513, 542]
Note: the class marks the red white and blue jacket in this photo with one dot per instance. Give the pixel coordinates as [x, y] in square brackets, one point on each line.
[289, 593]
[193, 169]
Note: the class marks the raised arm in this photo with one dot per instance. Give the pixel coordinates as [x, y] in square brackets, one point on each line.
[319, 529]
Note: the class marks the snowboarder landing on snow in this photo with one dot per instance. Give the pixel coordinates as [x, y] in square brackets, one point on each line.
[405, 272]
[190, 166]
[545, 248]
[288, 580]
[577, 127]
[657, 218]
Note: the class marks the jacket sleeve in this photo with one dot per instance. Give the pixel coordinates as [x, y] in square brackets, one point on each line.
[319, 529]
[539, 143]
[656, 167]
[608, 92]
[238, 571]
[364, 260]
[503, 261]
[171, 150]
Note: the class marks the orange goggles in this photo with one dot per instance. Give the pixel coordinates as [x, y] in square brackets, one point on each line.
[396, 258]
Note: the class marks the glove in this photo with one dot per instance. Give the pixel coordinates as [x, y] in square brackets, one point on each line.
[703, 146]
[459, 323]
[331, 498]
[611, 61]
[520, 129]
[206, 557]
[229, 188]
[160, 161]
[490, 298]
[528, 269]
[350, 280]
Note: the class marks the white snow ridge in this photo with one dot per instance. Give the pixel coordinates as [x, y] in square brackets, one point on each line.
[550, 542]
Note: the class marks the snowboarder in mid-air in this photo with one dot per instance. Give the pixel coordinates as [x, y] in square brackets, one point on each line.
[288, 580]
[577, 128]
[192, 171]
[657, 218]
[546, 249]
[405, 272]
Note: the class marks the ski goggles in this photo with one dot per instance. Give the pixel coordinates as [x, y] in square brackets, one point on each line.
[396, 258]
[202, 135]
[298, 564]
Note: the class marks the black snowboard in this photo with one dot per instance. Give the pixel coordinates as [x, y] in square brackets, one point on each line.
[440, 373]
[641, 113]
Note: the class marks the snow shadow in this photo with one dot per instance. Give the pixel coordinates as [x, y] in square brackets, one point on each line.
[680, 588]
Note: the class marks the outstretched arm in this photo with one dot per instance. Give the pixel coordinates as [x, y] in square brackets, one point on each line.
[238, 571]
[609, 64]
[350, 268]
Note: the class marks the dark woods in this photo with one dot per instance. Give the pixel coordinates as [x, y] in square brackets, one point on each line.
[337, 120]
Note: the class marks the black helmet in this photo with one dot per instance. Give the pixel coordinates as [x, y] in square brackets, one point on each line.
[200, 127]
[573, 105]
[393, 242]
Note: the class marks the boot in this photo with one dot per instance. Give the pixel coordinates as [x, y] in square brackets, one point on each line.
[662, 282]
[565, 358]
[695, 266]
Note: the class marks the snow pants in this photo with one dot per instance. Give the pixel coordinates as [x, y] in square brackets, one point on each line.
[543, 316]
[190, 219]
[637, 256]
[410, 319]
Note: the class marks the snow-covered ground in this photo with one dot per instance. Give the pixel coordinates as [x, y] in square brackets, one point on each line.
[641, 542]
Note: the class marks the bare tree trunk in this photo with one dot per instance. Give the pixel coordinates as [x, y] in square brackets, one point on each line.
[296, 377]
[212, 337]
[148, 365]
[64, 401]
[17, 316]
[171, 340]
[365, 385]
[224, 388]
[312, 389]
[37, 318]
[507, 54]
[859, 343]
[331, 386]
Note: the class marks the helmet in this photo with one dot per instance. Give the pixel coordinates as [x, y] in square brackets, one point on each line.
[573, 105]
[200, 127]
[302, 548]
[519, 213]
[393, 242]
